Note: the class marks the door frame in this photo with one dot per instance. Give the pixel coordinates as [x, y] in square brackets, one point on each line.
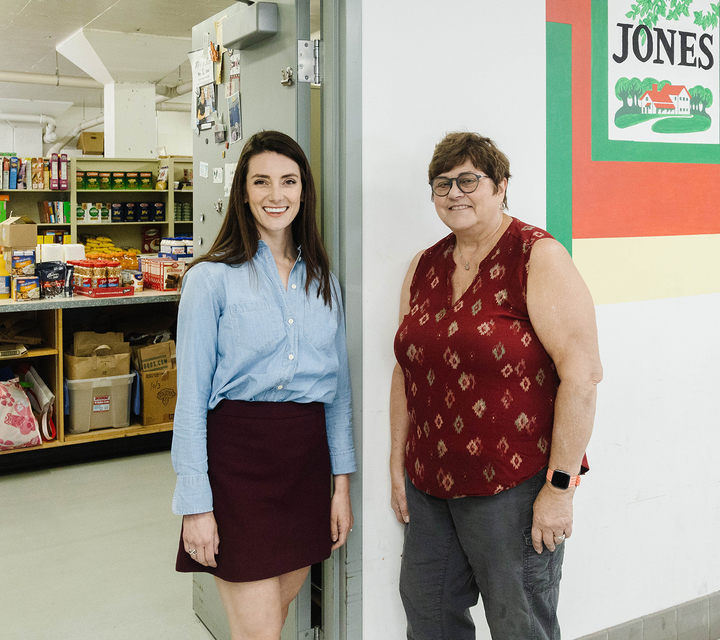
[342, 206]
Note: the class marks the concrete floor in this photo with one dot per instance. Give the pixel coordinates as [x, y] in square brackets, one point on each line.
[87, 552]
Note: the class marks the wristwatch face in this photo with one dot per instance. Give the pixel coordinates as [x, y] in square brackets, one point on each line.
[560, 479]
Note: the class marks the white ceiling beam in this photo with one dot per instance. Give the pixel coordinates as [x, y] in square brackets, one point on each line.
[81, 53]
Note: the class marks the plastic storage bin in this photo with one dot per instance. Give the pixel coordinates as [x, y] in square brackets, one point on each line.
[97, 403]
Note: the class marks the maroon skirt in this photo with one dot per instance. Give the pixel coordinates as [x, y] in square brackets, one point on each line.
[269, 470]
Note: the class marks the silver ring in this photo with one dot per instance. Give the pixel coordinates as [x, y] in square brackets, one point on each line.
[559, 539]
[193, 552]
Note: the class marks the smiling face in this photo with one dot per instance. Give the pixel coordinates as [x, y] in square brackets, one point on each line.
[274, 193]
[471, 212]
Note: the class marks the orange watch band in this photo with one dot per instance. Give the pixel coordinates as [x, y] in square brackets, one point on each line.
[573, 482]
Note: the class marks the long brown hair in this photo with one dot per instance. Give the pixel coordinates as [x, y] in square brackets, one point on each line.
[237, 240]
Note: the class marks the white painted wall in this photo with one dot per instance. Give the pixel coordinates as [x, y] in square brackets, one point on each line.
[428, 68]
[648, 512]
[647, 516]
[174, 132]
[23, 139]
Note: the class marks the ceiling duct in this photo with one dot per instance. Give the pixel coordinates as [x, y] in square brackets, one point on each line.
[49, 135]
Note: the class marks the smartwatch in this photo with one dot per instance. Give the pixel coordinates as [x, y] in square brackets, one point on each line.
[562, 479]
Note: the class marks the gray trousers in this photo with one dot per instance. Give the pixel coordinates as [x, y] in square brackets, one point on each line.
[456, 550]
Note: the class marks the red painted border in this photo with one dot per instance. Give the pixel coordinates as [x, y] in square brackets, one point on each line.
[628, 199]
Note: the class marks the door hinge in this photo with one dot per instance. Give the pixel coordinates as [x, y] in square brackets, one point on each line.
[308, 63]
[311, 634]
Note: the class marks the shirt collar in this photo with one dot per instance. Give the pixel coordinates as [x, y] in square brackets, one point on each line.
[263, 246]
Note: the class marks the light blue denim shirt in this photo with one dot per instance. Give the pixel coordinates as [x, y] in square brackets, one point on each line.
[242, 336]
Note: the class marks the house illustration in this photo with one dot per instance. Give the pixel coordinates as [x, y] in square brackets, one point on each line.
[670, 100]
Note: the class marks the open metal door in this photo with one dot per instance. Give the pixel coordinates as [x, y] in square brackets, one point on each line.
[265, 103]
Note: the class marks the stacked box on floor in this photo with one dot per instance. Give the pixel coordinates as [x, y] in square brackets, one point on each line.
[158, 382]
[98, 379]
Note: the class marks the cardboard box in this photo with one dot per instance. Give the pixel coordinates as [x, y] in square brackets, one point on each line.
[104, 292]
[158, 395]
[162, 275]
[20, 262]
[154, 357]
[17, 235]
[91, 144]
[20, 327]
[25, 288]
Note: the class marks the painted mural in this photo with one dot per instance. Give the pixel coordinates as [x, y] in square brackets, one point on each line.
[633, 138]
[662, 71]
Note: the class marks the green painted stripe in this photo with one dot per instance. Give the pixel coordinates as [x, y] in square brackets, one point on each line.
[559, 132]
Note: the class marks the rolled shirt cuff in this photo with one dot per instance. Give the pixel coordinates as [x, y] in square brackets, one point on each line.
[343, 462]
[192, 495]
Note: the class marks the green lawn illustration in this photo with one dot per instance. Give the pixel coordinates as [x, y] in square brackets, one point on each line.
[665, 124]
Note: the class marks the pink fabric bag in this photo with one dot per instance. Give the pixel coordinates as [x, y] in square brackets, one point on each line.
[18, 426]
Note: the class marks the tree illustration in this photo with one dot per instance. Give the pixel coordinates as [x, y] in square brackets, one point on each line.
[635, 90]
[648, 12]
[708, 99]
[701, 99]
[622, 91]
[647, 85]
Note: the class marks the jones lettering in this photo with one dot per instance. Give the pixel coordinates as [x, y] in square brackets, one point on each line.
[643, 42]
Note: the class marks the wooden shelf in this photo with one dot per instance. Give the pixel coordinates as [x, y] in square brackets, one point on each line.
[111, 433]
[33, 352]
[126, 233]
[122, 191]
[99, 434]
[49, 362]
[45, 445]
[116, 224]
[16, 191]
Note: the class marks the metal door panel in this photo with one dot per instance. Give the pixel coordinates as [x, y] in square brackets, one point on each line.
[264, 104]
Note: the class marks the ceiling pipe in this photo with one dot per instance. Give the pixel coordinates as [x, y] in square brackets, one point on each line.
[49, 121]
[88, 124]
[164, 92]
[173, 92]
[173, 106]
[49, 80]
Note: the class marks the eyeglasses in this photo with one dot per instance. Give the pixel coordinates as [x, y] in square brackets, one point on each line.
[466, 182]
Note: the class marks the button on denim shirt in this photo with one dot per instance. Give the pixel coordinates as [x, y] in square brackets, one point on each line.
[242, 336]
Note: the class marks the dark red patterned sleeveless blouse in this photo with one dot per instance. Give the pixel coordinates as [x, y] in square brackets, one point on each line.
[480, 387]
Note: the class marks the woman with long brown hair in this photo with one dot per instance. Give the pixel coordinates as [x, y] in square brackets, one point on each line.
[263, 411]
